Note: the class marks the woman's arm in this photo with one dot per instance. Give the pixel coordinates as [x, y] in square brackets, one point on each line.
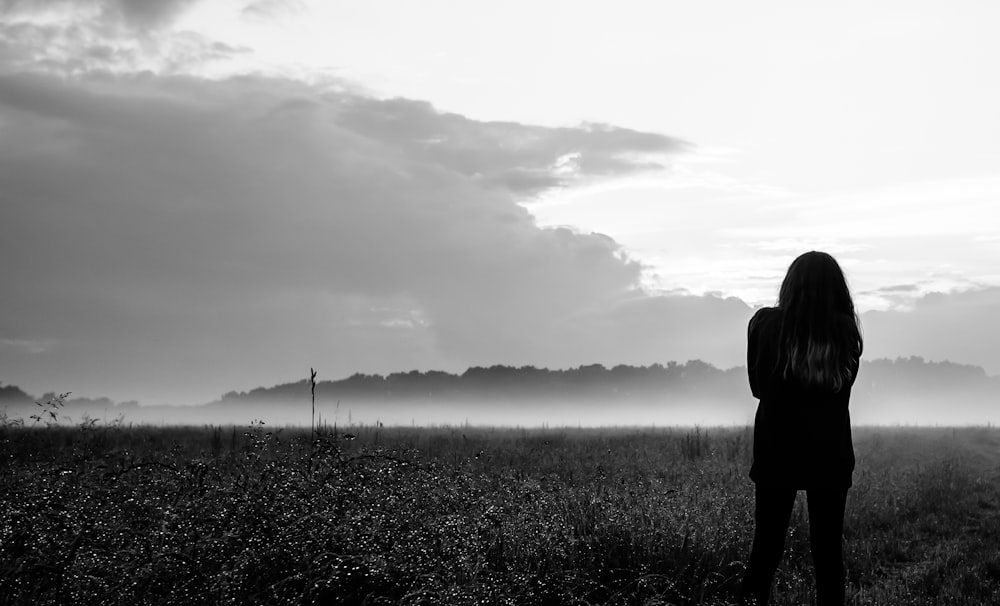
[753, 353]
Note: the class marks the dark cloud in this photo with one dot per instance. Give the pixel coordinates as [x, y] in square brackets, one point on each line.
[957, 326]
[527, 159]
[148, 13]
[137, 14]
[156, 227]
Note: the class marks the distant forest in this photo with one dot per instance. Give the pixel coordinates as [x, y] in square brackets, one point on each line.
[592, 382]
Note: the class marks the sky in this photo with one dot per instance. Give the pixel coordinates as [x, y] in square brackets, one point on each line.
[204, 196]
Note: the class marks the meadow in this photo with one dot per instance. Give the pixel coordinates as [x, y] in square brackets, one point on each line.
[94, 514]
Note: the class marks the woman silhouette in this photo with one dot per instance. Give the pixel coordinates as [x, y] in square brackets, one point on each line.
[802, 358]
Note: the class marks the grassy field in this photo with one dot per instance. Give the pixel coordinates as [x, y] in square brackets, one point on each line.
[465, 515]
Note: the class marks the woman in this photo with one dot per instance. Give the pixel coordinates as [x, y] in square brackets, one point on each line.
[802, 358]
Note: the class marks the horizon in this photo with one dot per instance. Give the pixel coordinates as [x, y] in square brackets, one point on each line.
[201, 198]
[693, 393]
[458, 374]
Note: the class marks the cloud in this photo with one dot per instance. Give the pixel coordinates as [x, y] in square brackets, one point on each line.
[123, 36]
[523, 158]
[148, 13]
[958, 326]
[905, 288]
[133, 14]
[271, 9]
[649, 329]
[156, 227]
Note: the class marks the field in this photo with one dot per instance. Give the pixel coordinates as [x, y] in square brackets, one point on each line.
[466, 515]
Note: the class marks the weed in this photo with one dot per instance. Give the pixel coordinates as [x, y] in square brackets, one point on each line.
[51, 409]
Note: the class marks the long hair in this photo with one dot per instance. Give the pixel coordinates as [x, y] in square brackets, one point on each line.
[820, 330]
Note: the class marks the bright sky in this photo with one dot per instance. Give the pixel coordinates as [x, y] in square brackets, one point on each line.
[865, 129]
[733, 136]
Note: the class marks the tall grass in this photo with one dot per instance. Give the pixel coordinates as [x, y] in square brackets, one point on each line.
[466, 515]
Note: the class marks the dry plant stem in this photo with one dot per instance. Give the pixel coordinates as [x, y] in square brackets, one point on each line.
[312, 424]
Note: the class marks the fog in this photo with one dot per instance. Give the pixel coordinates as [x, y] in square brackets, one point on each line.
[905, 391]
[892, 411]
[521, 413]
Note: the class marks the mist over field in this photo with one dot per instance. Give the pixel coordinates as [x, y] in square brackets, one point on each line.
[905, 391]
[498, 413]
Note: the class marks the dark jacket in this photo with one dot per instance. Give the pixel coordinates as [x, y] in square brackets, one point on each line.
[801, 435]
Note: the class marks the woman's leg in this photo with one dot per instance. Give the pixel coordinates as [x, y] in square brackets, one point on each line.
[772, 511]
[826, 534]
